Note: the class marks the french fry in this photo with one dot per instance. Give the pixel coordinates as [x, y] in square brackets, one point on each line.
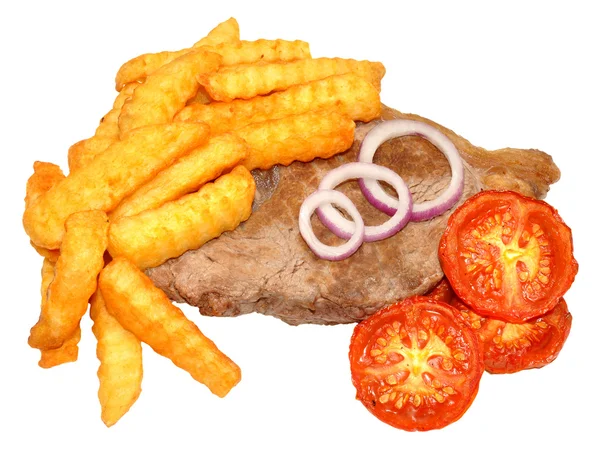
[80, 261]
[151, 237]
[233, 53]
[68, 351]
[262, 51]
[247, 81]
[45, 176]
[302, 137]
[144, 310]
[107, 133]
[166, 91]
[51, 255]
[347, 94]
[111, 176]
[120, 355]
[138, 68]
[204, 164]
[225, 32]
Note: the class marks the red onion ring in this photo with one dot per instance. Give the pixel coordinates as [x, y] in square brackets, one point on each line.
[345, 228]
[332, 253]
[399, 127]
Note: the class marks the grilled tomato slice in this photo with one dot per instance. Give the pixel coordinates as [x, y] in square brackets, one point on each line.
[508, 347]
[507, 255]
[416, 364]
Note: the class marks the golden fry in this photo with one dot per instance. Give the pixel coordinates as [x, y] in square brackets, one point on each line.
[51, 255]
[347, 94]
[262, 51]
[225, 32]
[120, 354]
[233, 53]
[107, 133]
[151, 237]
[111, 176]
[80, 261]
[144, 310]
[204, 164]
[302, 137]
[138, 68]
[68, 351]
[166, 91]
[247, 81]
[45, 176]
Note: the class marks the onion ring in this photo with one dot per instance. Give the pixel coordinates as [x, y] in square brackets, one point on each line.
[332, 253]
[400, 127]
[345, 228]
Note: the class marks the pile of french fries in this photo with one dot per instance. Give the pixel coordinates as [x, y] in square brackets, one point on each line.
[167, 170]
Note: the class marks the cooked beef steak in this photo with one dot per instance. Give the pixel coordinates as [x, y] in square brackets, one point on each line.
[264, 265]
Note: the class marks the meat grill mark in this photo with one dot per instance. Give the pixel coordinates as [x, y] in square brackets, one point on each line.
[264, 266]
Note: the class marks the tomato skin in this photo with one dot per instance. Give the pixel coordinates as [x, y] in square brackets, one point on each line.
[509, 348]
[431, 369]
[507, 255]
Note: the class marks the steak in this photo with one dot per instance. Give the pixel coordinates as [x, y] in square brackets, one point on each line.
[265, 266]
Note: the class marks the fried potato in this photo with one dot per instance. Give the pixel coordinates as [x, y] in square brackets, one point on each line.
[225, 32]
[80, 261]
[68, 351]
[151, 237]
[233, 53]
[347, 94]
[45, 176]
[120, 354]
[262, 51]
[204, 164]
[166, 91]
[247, 81]
[111, 176]
[144, 310]
[302, 137]
[107, 133]
[138, 68]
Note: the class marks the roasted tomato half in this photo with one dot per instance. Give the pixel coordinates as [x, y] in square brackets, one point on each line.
[508, 347]
[416, 364]
[507, 255]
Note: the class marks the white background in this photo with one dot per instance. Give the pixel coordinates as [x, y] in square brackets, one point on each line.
[519, 74]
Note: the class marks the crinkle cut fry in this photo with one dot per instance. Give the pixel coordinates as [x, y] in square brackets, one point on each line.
[302, 137]
[138, 68]
[166, 91]
[347, 94]
[69, 351]
[45, 176]
[80, 261]
[144, 310]
[111, 176]
[107, 133]
[120, 355]
[248, 81]
[153, 236]
[203, 164]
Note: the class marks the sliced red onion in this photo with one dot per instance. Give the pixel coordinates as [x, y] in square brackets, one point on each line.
[345, 228]
[400, 127]
[332, 253]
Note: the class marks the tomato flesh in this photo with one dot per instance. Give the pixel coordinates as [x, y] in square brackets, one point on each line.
[510, 347]
[416, 365]
[507, 255]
